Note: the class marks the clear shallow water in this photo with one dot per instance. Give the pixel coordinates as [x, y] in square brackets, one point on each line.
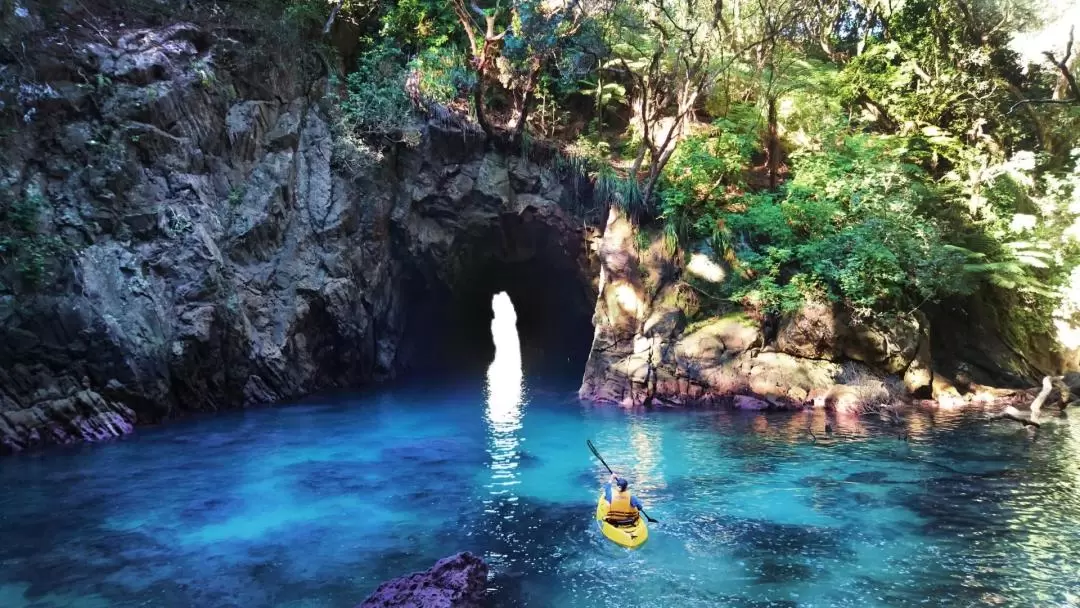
[313, 505]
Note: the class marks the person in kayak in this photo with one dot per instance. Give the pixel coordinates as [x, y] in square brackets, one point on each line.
[623, 507]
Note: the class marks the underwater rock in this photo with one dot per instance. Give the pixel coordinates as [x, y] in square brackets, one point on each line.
[458, 581]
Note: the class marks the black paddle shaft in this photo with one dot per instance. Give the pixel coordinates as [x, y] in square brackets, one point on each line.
[601, 459]
[597, 454]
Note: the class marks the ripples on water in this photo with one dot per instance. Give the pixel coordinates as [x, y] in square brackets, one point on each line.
[314, 505]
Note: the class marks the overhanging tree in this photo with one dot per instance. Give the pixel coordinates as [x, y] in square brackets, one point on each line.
[510, 46]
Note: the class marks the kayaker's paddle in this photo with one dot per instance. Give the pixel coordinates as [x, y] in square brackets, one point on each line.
[601, 458]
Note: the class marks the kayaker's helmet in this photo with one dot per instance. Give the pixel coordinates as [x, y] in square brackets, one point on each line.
[622, 483]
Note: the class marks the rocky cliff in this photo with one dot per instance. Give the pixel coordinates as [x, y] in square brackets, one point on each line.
[180, 234]
[645, 352]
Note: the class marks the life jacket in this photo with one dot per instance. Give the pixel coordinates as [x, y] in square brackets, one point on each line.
[620, 508]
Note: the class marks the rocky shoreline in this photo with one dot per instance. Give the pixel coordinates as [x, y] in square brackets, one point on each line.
[645, 353]
[215, 250]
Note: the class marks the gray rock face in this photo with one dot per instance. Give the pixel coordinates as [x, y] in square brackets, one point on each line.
[458, 581]
[203, 249]
[210, 257]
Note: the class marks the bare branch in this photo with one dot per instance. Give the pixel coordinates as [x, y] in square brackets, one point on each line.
[1066, 74]
[1011, 413]
[333, 15]
[467, 23]
[1036, 405]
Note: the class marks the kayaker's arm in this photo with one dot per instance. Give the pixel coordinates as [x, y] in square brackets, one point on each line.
[636, 503]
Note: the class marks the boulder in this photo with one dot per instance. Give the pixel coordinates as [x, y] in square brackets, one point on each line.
[746, 402]
[946, 395]
[919, 377]
[894, 344]
[812, 332]
[1072, 380]
[458, 581]
[889, 343]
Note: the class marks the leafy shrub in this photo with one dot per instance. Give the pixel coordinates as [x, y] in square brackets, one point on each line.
[22, 247]
[442, 75]
[420, 24]
[698, 174]
[376, 102]
[849, 226]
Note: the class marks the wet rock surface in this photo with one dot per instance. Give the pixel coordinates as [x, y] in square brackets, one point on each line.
[458, 581]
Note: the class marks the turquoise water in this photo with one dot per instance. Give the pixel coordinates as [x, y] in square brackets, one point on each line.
[314, 504]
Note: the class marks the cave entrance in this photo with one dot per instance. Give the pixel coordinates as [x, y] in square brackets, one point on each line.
[538, 268]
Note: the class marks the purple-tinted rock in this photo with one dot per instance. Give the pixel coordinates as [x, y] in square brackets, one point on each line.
[746, 402]
[458, 581]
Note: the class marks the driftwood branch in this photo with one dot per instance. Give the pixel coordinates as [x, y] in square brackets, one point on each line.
[1011, 413]
[1036, 405]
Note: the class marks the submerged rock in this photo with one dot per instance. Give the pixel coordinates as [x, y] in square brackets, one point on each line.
[458, 581]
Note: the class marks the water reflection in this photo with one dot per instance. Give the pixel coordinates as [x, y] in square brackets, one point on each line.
[645, 448]
[504, 392]
[821, 426]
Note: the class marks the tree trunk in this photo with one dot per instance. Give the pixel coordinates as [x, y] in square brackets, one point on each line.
[481, 113]
[772, 146]
[523, 104]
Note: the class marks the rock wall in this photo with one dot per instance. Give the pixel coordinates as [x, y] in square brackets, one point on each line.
[183, 238]
[645, 353]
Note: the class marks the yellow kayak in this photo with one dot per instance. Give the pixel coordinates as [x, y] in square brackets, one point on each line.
[631, 535]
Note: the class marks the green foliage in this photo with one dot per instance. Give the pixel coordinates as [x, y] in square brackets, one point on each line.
[305, 14]
[22, 213]
[442, 75]
[22, 246]
[849, 226]
[376, 102]
[696, 178]
[612, 188]
[420, 24]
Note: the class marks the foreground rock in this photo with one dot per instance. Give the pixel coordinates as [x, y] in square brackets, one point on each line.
[458, 581]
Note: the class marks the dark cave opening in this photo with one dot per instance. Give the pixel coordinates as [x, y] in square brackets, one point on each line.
[541, 268]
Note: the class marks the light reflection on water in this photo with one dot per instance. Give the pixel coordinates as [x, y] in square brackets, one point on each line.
[505, 392]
